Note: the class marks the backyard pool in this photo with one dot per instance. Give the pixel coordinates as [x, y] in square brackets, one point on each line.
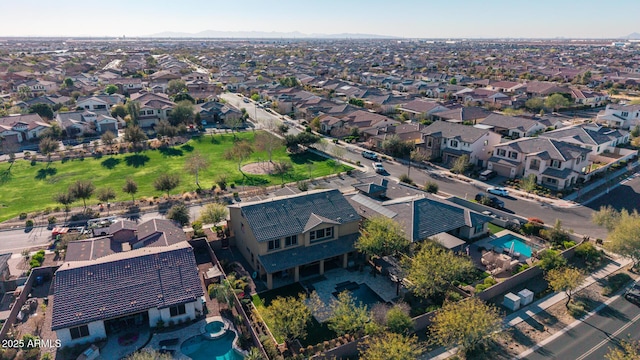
[509, 240]
[360, 293]
[201, 348]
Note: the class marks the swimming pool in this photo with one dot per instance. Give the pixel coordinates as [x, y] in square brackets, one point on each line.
[201, 348]
[361, 293]
[508, 240]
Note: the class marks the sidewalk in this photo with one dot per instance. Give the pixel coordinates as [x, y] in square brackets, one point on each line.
[542, 304]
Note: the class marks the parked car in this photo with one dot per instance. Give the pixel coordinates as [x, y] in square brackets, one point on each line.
[633, 294]
[500, 191]
[369, 155]
[493, 201]
[379, 168]
[245, 100]
[487, 174]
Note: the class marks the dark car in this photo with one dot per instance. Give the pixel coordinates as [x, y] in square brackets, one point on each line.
[489, 200]
[633, 294]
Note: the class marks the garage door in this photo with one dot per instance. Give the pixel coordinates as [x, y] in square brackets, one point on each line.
[501, 170]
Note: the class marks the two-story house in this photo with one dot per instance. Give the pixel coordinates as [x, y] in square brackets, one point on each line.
[554, 163]
[587, 97]
[449, 141]
[513, 126]
[86, 122]
[620, 116]
[153, 108]
[422, 109]
[18, 128]
[285, 236]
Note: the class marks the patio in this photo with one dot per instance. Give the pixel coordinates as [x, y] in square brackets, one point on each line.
[124, 343]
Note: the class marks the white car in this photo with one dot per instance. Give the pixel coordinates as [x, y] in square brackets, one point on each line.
[378, 168]
[500, 191]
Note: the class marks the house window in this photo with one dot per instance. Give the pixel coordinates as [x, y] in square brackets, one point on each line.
[274, 244]
[291, 240]
[478, 229]
[177, 310]
[513, 154]
[79, 332]
[624, 114]
[555, 164]
[551, 181]
[321, 234]
[534, 164]
[453, 143]
[502, 152]
[428, 142]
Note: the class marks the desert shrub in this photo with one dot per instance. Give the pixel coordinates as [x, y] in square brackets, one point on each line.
[615, 283]
[28, 223]
[431, 187]
[405, 179]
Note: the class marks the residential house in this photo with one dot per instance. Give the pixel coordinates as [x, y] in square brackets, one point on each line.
[86, 122]
[99, 102]
[285, 236]
[143, 287]
[449, 141]
[409, 132]
[468, 114]
[587, 97]
[480, 96]
[421, 109]
[544, 89]
[620, 116]
[153, 108]
[15, 129]
[510, 87]
[513, 126]
[213, 112]
[160, 80]
[127, 85]
[555, 164]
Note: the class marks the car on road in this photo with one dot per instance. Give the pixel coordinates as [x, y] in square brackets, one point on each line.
[489, 200]
[245, 100]
[379, 168]
[633, 294]
[500, 191]
[369, 155]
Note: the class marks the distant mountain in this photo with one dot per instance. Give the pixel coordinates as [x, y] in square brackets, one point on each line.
[632, 36]
[264, 35]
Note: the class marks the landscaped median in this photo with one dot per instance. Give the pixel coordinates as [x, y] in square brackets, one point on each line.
[29, 186]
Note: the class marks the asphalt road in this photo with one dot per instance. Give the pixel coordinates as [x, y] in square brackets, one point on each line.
[592, 339]
[625, 196]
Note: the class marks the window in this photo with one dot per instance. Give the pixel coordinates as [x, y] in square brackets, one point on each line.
[429, 142]
[502, 152]
[291, 240]
[321, 234]
[478, 229]
[177, 310]
[624, 114]
[274, 244]
[453, 143]
[513, 154]
[550, 181]
[555, 164]
[79, 332]
[534, 164]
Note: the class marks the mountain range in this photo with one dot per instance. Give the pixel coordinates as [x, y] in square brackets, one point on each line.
[264, 35]
[632, 36]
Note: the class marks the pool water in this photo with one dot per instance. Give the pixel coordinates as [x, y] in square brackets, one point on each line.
[214, 327]
[506, 241]
[201, 348]
[364, 295]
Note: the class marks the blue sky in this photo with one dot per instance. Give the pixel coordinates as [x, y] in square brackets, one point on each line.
[404, 18]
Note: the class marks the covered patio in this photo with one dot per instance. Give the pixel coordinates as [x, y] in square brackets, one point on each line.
[285, 266]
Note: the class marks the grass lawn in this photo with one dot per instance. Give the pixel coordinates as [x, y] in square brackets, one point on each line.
[494, 228]
[316, 332]
[28, 188]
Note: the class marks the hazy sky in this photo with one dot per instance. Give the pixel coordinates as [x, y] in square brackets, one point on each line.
[404, 18]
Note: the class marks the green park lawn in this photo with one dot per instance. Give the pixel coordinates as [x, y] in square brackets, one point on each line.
[30, 188]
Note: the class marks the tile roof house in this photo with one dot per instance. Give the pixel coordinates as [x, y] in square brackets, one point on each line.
[513, 126]
[463, 114]
[556, 164]
[124, 236]
[449, 141]
[87, 122]
[153, 108]
[620, 116]
[422, 109]
[18, 128]
[95, 298]
[282, 235]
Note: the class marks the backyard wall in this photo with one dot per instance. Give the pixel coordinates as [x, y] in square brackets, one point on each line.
[49, 270]
[348, 350]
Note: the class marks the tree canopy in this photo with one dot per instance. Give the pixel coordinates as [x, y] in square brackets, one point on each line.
[213, 213]
[556, 101]
[348, 317]
[179, 213]
[111, 89]
[565, 279]
[381, 236]
[290, 316]
[194, 163]
[175, 86]
[433, 269]
[130, 187]
[166, 182]
[390, 346]
[134, 135]
[239, 152]
[624, 232]
[394, 146]
[43, 110]
[182, 113]
[82, 189]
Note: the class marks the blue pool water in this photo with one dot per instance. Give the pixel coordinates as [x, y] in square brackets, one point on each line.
[201, 348]
[363, 294]
[506, 241]
[214, 327]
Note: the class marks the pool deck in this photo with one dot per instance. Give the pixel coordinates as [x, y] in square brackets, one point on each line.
[186, 333]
